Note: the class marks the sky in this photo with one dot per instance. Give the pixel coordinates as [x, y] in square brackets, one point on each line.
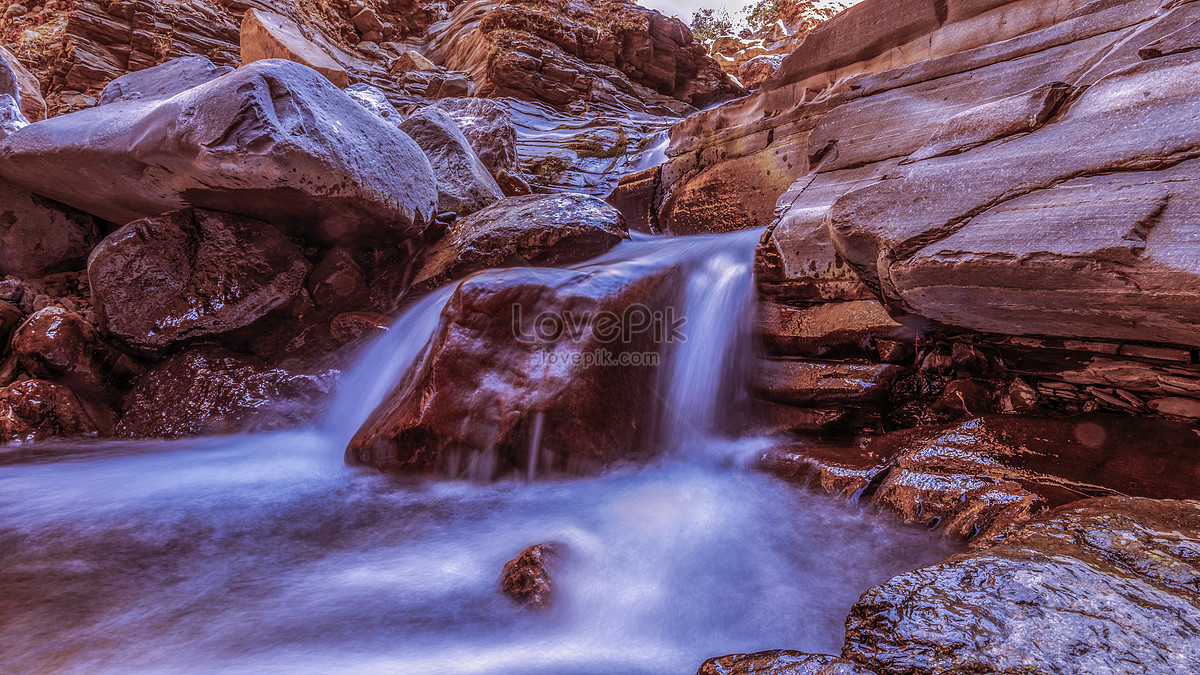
[684, 8]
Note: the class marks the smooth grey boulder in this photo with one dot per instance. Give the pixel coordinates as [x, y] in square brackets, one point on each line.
[162, 81]
[464, 184]
[1085, 227]
[374, 100]
[520, 231]
[193, 274]
[39, 236]
[273, 140]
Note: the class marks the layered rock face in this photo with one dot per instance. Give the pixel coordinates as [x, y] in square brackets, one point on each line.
[1010, 184]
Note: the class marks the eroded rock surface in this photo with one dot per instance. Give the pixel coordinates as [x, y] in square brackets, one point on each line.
[1104, 585]
[527, 578]
[39, 236]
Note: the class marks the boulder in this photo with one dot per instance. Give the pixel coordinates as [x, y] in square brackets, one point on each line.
[1103, 585]
[267, 35]
[272, 140]
[464, 184]
[56, 344]
[210, 390]
[374, 100]
[816, 383]
[527, 579]
[338, 281]
[39, 236]
[827, 330]
[163, 81]
[193, 274]
[33, 410]
[23, 87]
[411, 60]
[503, 362]
[521, 231]
[490, 131]
[781, 662]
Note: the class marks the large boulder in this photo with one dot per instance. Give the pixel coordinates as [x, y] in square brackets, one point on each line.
[374, 100]
[267, 35]
[521, 231]
[464, 184]
[163, 81]
[517, 351]
[1102, 586]
[193, 274]
[490, 131]
[39, 236]
[272, 140]
[210, 390]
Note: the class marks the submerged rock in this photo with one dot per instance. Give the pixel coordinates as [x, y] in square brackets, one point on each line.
[1104, 585]
[521, 231]
[272, 140]
[193, 274]
[527, 579]
[210, 390]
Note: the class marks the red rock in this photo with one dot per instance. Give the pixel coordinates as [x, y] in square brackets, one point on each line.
[36, 409]
[527, 577]
[209, 390]
[39, 236]
[338, 281]
[350, 326]
[58, 345]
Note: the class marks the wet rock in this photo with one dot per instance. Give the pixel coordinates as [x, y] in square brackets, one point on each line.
[489, 379]
[163, 81]
[39, 236]
[10, 316]
[464, 184]
[1098, 586]
[977, 479]
[781, 662]
[267, 35]
[23, 86]
[34, 410]
[193, 274]
[272, 140]
[210, 390]
[59, 345]
[489, 129]
[527, 578]
[534, 230]
[374, 100]
[350, 326]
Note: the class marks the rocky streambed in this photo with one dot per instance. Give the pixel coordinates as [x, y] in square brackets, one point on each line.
[370, 337]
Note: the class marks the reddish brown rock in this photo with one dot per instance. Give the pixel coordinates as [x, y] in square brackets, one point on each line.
[527, 578]
[489, 379]
[34, 410]
[267, 35]
[827, 330]
[350, 326]
[59, 345]
[27, 87]
[193, 274]
[800, 382]
[338, 281]
[209, 390]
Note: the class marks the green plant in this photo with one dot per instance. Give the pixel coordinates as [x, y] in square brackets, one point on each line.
[710, 24]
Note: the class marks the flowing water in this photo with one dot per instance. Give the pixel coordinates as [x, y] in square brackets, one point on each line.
[265, 553]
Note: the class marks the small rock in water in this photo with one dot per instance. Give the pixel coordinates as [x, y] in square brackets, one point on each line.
[526, 577]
